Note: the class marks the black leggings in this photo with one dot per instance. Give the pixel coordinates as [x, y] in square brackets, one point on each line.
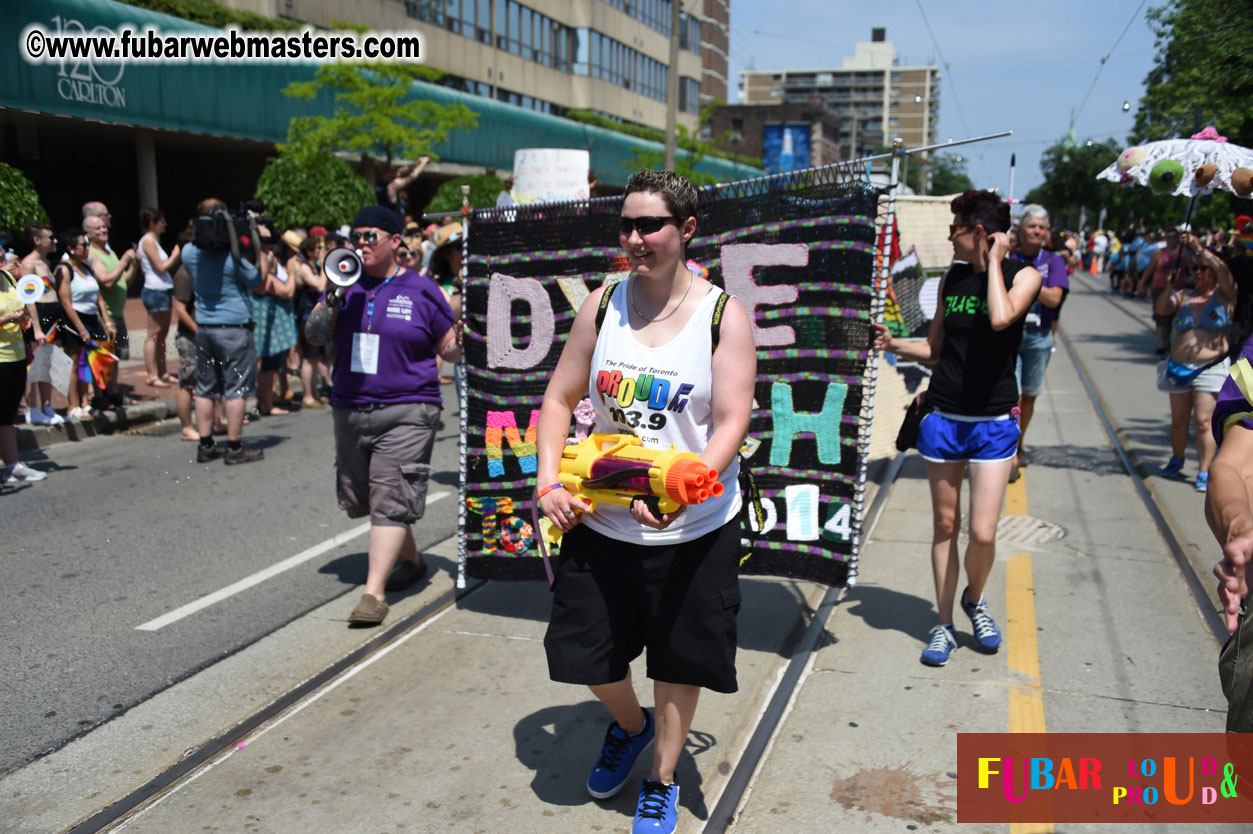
[12, 386]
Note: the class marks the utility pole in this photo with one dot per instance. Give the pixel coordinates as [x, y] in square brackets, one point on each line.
[672, 86]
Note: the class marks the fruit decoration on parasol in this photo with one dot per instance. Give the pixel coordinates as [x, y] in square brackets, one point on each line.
[1186, 167]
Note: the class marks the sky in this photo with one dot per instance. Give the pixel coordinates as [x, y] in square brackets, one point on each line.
[1017, 66]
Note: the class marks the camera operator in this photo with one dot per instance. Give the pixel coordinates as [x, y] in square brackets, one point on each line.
[226, 359]
[387, 328]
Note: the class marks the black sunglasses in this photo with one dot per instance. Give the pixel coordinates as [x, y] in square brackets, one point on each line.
[369, 238]
[645, 225]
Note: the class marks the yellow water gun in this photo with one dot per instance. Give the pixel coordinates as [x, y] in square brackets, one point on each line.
[618, 468]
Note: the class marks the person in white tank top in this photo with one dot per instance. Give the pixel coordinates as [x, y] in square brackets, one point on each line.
[618, 563]
[157, 294]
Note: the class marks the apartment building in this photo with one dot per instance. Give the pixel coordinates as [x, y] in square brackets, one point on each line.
[607, 56]
[876, 96]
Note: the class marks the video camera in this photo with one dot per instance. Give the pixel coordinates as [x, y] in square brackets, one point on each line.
[222, 230]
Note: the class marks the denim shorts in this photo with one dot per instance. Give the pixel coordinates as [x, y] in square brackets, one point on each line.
[226, 363]
[157, 301]
[953, 438]
[1033, 360]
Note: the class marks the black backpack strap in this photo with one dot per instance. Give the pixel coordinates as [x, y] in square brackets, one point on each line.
[605, 299]
[715, 323]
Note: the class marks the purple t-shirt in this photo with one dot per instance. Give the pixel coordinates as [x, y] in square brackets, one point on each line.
[1052, 269]
[1231, 400]
[410, 317]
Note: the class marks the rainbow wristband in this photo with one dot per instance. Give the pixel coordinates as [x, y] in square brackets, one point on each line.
[542, 491]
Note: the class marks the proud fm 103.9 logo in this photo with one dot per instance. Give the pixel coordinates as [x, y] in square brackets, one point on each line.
[84, 80]
[1104, 777]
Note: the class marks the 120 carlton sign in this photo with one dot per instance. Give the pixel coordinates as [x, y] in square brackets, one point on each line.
[78, 79]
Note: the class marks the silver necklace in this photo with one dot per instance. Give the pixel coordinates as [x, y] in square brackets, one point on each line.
[690, 277]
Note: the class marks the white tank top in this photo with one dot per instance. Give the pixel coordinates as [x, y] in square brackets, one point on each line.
[84, 290]
[662, 395]
[154, 280]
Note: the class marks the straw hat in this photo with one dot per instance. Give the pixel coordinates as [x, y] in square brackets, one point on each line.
[293, 239]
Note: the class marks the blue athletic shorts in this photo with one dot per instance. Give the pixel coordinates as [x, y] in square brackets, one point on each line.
[952, 438]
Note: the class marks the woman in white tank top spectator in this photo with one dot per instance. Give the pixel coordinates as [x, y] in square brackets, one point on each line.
[617, 563]
[85, 312]
[157, 294]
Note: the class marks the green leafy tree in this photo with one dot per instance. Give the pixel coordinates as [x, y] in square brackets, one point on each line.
[484, 189]
[648, 158]
[304, 189]
[376, 111]
[19, 202]
[946, 174]
[1202, 73]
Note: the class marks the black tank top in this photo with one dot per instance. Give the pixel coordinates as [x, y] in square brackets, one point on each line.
[975, 376]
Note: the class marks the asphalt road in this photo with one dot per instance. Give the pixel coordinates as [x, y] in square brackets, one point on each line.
[128, 528]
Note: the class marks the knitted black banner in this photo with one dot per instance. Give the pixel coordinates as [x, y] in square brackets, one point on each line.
[796, 250]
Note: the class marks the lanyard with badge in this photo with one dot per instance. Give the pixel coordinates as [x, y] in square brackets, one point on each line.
[365, 346]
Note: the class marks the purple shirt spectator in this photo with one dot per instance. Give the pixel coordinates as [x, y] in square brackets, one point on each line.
[1052, 269]
[410, 316]
[1234, 404]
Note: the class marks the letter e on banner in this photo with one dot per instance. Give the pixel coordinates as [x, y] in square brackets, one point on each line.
[502, 292]
[738, 261]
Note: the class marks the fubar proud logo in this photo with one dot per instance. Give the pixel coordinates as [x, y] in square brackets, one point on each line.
[1104, 777]
[79, 79]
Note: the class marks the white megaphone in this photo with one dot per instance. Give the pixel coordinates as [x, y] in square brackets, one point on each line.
[342, 267]
[30, 288]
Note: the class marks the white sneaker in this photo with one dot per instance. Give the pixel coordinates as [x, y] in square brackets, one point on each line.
[22, 472]
[38, 417]
[78, 414]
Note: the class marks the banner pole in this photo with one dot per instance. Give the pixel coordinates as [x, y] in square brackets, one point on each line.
[463, 417]
[884, 268]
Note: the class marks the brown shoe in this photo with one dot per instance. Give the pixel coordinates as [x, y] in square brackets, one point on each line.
[405, 575]
[369, 611]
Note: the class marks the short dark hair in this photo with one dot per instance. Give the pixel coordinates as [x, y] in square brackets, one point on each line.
[149, 216]
[678, 194]
[33, 230]
[983, 208]
[69, 238]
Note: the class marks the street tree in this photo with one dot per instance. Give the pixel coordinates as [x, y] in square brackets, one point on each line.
[653, 159]
[947, 174]
[1202, 73]
[304, 188]
[19, 201]
[377, 113]
[484, 189]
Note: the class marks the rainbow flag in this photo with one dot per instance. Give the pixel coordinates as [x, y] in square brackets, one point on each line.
[93, 364]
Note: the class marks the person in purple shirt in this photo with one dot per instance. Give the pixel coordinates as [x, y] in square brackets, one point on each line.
[1037, 334]
[1229, 511]
[387, 328]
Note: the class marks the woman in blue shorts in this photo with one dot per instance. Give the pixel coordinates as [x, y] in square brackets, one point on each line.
[973, 342]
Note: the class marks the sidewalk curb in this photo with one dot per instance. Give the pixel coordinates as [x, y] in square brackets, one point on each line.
[108, 422]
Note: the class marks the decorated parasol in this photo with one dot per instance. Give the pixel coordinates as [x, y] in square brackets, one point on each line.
[1186, 167]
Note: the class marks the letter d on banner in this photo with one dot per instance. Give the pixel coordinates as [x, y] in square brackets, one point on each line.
[501, 352]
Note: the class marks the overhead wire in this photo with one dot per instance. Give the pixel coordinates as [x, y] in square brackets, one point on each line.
[1101, 66]
[947, 68]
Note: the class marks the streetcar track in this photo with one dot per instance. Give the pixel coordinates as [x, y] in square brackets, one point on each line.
[1166, 526]
[204, 756]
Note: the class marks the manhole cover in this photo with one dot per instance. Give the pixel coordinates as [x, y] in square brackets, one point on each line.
[1023, 529]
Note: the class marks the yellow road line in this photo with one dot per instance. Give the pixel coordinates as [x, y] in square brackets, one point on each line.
[1026, 697]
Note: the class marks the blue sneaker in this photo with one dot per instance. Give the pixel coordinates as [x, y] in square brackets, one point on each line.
[987, 635]
[1173, 467]
[617, 758]
[1202, 482]
[658, 809]
[943, 641]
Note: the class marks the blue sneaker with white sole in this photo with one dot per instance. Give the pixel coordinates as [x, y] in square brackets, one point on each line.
[658, 809]
[940, 646]
[618, 757]
[987, 635]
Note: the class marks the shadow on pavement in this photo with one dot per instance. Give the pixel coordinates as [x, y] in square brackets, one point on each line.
[1099, 460]
[561, 743]
[887, 610]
